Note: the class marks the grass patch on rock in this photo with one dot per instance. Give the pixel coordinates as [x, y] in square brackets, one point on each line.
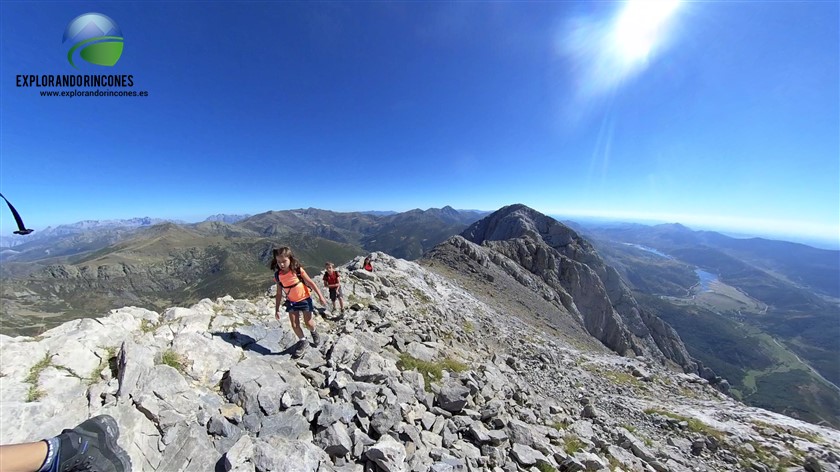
[36, 369]
[172, 359]
[431, 371]
[758, 454]
[694, 425]
[572, 444]
[147, 326]
[110, 361]
[621, 378]
[559, 425]
[791, 431]
[421, 296]
[34, 392]
[616, 377]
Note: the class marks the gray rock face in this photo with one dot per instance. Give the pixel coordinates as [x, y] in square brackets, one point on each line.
[525, 455]
[289, 424]
[388, 454]
[498, 394]
[335, 440]
[240, 457]
[453, 396]
[582, 283]
[285, 455]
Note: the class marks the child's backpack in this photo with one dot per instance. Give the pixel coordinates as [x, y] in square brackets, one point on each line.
[300, 281]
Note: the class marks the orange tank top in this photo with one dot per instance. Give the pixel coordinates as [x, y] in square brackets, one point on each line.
[294, 287]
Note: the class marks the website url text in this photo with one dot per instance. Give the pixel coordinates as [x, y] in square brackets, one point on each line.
[94, 93]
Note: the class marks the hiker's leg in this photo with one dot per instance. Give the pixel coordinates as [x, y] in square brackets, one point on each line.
[294, 319]
[310, 324]
[308, 320]
[23, 457]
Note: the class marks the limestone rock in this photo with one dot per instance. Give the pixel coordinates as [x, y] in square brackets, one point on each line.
[193, 400]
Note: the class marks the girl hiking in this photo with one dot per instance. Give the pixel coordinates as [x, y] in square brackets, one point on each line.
[294, 284]
[333, 283]
[367, 265]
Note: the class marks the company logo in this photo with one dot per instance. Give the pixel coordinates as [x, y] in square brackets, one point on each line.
[97, 39]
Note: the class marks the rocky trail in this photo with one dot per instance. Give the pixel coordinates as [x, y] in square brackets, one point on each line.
[417, 375]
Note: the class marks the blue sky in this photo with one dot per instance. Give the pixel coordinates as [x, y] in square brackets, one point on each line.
[720, 115]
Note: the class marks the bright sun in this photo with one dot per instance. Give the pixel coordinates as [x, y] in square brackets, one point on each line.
[606, 52]
[639, 27]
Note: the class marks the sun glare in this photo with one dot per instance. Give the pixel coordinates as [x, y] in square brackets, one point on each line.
[607, 52]
[640, 26]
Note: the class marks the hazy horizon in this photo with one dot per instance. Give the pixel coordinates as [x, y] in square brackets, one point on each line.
[738, 232]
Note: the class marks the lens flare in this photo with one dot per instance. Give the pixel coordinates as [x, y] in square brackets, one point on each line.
[605, 53]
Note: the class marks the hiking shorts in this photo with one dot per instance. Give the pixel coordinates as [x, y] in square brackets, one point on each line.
[303, 305]
[336, 293]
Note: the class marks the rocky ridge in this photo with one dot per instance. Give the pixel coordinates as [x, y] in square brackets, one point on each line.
[212, 387]
[577, 280]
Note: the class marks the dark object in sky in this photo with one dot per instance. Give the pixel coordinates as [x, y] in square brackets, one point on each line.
[21, 228]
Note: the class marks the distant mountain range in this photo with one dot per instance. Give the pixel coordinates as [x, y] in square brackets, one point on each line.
[226, 218]
[82, 227]
[762, 314]
[89, 267]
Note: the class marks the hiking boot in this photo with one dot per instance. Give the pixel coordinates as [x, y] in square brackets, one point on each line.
[316, 338]
[92, 446]
[299, 348]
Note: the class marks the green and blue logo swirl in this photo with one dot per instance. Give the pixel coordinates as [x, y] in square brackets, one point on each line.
[97, 39]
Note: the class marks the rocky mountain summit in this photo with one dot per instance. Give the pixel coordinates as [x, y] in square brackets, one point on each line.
[549, 258]
[418, 374]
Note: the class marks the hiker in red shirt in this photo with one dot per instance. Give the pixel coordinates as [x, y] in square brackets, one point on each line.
[367, 265]
[294, 284]
[333, 283]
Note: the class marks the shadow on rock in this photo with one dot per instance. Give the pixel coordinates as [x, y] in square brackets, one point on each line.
[247, 343]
